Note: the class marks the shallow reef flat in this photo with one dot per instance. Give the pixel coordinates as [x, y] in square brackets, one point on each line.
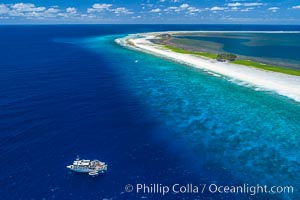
[259, 77]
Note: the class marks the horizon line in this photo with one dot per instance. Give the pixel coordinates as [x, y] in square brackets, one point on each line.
[246, 24]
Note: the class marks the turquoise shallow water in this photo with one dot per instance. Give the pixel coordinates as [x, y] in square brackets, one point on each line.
[213, 124]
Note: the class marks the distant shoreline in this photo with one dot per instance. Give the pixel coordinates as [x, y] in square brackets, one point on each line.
[211, 49]
[245, 62]
[283, 84]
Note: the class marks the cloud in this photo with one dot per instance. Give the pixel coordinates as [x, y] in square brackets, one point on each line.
[150, 5]
[184, 6]
[216, 8]
[273, 9]
[71, 10]
[27, 7]
[171, 8]
[4, 9]
[104, 7]
[52, 10]
[253, 4]
[247, 9]
[237, 4]
[296, 7]
[193, 9]
[122, 10]
[97, 7]
[137, 17]
[245, 6]
[28, 10]
[31, 11]
[155, 10]
[234, 8]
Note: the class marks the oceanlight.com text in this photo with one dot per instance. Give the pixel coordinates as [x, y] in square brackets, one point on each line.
[162, 189]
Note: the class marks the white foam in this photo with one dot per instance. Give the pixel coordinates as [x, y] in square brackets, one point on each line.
[282, 84]
[213, 74]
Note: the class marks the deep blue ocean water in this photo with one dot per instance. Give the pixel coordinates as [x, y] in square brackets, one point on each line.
[71, 90]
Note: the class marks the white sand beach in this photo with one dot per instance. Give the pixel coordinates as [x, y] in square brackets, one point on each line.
[283, 84]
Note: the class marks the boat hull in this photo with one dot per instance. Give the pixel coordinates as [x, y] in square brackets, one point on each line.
[86, 170]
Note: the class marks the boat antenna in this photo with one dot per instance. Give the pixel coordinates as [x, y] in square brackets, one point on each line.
[77, 158]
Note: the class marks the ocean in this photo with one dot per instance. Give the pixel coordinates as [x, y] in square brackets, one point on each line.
[69, 90]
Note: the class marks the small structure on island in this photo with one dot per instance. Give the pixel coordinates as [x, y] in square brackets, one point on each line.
[161, 38]
[165, 36]
[224, 57]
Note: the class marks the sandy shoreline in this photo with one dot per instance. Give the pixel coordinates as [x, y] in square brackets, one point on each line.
[283, 84]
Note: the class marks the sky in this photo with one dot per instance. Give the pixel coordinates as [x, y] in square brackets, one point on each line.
[150, 12]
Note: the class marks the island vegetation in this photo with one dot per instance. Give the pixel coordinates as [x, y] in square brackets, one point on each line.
[233, 59]
[223, 57]
[197, 53]
[267, 67]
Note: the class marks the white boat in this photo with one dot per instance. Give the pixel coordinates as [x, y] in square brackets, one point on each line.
[92, 167]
